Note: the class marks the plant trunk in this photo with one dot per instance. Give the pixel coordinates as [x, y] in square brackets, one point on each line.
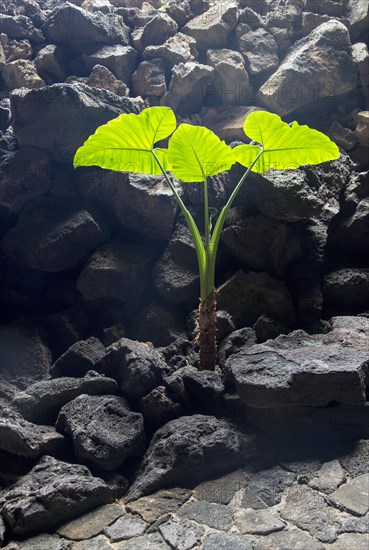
[207, 333]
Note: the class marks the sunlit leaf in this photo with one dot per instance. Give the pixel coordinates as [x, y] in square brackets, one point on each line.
[126, 143]
[284, 146]
[195, 152]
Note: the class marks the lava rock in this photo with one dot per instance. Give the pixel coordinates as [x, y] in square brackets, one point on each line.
[141, 203]
[119, 59]
[309, 370]
[156, 31]
[52, 493]
[54, 235]
[260, 51]
[347, 287]
[21, 74]
[318, 67]
[25, 175]
[186, 451]
[212, 27]
[76, 28]
[19, 437]
[138, 367]
[104, 431]
[118, 270]
[152, 507]
[20, 27]
[81, 357]
[158, 407]
[149, 78]
[231, 77]
[38, 112]
[50, 64]
[265, 488]
[261, 294]
[194, 388]
[360, 55]
[358, 15]
[42, 401]
[102, 78]
[179, 48]
[157, 325]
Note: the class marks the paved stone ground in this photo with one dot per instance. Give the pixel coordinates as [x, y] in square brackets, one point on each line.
[294, 505]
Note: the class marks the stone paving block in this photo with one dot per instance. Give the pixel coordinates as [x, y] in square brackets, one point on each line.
[213, 515]
[353, 496]
[258, 522]
[125, 528]
[91, 524]
[227, 541]
[330, 476]
[181, 534]
[150, 508]
[288, 540]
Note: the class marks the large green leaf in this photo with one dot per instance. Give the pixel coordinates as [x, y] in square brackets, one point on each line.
[284, 146]
[195, 152]
[126, 143]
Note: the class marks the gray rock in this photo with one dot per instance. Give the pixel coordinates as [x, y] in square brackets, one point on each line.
[189, 86]
[24, 357]
[91, 524]
[267, 328]
[362, 128]
[54, 235]
[343, 137]
[19, 437]
[51, 493]
[81, 357]
[261, 294]
[289, 540]
[308, 510]
[356, 461]
[149, 78]
[158, 407]
[37, 112]
[2, 530]
[330, 476]
[76, 28]
[302, 369]
[258, 522]
[41, 542]
[353, 496]
[119, 59]
[126, 527]
[327, 7]
[355, 525]
[154, 541]
[223, 489]
[351, 540]
[152, 507]
[195, 388]
[156, 31]
[217, 516]
[181, 534]
[212, 27]
[141, 203]
[265, 488]
[105, 432]
[347, 287]
[138, 367]
[42, 401]
[25, 175]
[20, 27]
[66, 327]
[358, 14]
[260, 51]
[21, 74]
[158, 325]
[177, 49]
[360, 55]
[96, 543]
[241, 338]
[226, 541]
[188, 450]
[231, 78]
[50, 64]
[102, 78]
[118, 270]
[318, 67]
[263, 244]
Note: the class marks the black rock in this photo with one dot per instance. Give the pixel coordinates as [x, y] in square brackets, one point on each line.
[105, 432]
[50, 494]
[42, 401]
[81, 357]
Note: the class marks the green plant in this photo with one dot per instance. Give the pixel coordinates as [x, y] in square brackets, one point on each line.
[194, 153]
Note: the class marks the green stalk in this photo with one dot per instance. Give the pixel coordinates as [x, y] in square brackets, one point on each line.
[197, 240]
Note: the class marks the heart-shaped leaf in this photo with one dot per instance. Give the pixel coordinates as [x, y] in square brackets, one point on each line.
[126, 143]
[195, 152]
[284, 147]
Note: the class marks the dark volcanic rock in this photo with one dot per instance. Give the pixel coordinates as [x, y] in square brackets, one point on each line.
[118, 270]
[105, 432]
[302, 369]
[54, 235]
[158, 407]
[24, 176]
[188, 450]
[196, 388]
[141, 203]
[81, 357]
[75, 27]
[20, 437]
[20, 27]
[120, 60]
[156, 324]
[38, 112]
[138, 367]
[248, 295]
[156, 31]
[42, 401]
[52, 493]
[177, 49]
[347, 287]
[260, 51]
[24, 357]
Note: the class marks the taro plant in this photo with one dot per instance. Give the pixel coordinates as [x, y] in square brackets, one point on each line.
[194, 153]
